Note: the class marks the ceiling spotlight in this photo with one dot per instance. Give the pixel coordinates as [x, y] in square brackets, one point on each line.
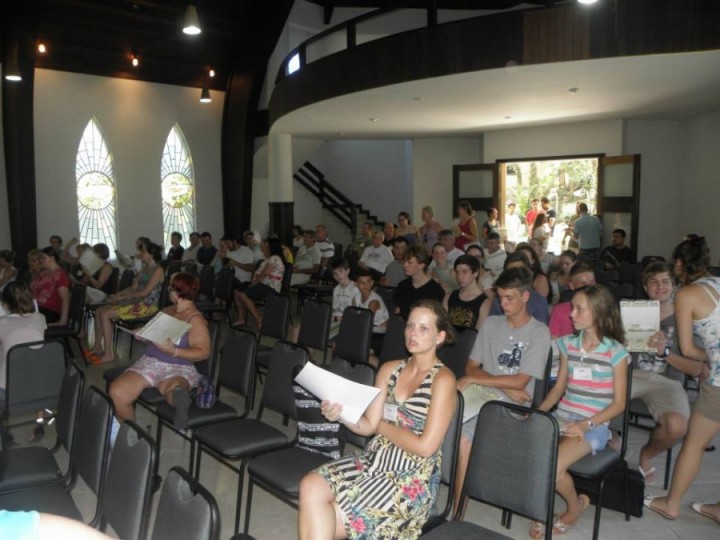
[508, 117]
[191, 26]
[135, 60]
[205, 95]
[11, 68]
[373, 119]
[211, 73]
[42, 49]
[573, 90]
[587, 2]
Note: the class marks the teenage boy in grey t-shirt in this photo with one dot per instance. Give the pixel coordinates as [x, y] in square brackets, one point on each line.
[510, 352]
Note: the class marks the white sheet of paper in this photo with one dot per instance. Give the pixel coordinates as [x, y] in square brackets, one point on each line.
[91, 262]
[163, 327]
[353, 397]
[641, 319]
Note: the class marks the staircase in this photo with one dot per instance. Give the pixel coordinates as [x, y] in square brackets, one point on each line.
[348, 213]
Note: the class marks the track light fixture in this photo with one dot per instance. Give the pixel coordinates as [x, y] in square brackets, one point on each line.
[191, 26]
[205, 94]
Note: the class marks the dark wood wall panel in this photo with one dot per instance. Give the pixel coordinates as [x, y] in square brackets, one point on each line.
[556, 35]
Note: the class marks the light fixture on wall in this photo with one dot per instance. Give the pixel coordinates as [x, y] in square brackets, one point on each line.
[205, 94]
[191, 25]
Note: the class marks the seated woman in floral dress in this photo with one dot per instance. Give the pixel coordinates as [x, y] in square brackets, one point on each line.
[387, 491]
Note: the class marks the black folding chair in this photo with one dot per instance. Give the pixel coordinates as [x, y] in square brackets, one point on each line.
[34, 378]
[240, 439]
[352, 342]
[28, 466]
[76, 315]
[503, 435]
[315, 326]
[394, 343]
[186, 510]
[280, 472]
[455, 355]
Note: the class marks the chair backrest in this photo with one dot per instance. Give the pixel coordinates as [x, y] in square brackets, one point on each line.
[126, 279]
[224, 284]
[277, 392]
[112, 287]
[387, 294]
[338, 250]
[455, 355]
[76, 310]
[514, 450]
[352, 342]
[207, 367]
[315, 325]
[128, 486]
[173, 267]
[237, 363]
[542, 387]
[164, 297]
[207, 281]
[35, 373]
[186, 509]
[359, 373]
[620, 423]
[393, 347]
[190, 268]
[68, 408]
[286, 280]
[276, 317]
[450, 448]
[92, 439]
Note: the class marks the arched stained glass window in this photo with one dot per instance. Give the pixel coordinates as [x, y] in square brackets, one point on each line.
[178, 187]
[95, 179]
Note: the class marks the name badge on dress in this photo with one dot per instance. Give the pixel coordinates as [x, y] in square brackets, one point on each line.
[390, 412]
[582, 373]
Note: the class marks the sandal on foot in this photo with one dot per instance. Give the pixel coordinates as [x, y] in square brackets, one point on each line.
[96, 359]
[649, 475]
[647, 503]
[560, 527]
[537, 530]
[697, 506]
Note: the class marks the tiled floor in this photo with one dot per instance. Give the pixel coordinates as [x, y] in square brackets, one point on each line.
[273, 520]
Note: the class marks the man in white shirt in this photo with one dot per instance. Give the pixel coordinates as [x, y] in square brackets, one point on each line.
[307, 260]
[494, 255]
[242, 260]
[326, 247]
[190, 253]
[513, 225]
[377, 256]
[253, 244]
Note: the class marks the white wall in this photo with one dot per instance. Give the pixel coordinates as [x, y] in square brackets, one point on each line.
[136, 118]
[662, 156]
[432, 163]
[699, 181]
[374, 173]
[4, 218]
[555, 140]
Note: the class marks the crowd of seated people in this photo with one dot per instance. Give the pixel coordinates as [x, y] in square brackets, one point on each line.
[518, 302]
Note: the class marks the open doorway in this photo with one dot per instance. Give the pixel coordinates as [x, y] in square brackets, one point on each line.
[563, 181]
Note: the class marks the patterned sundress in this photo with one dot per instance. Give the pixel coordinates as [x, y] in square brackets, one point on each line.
[386, 492]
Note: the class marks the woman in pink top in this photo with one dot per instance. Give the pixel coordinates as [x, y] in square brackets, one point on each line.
[51, 289]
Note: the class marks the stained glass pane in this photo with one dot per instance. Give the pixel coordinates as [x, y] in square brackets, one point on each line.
[178, 187]
[95, 180]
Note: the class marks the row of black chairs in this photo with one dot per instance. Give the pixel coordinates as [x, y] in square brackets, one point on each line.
[121, 477]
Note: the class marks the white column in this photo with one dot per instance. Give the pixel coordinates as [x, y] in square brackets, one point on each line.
[280, 186]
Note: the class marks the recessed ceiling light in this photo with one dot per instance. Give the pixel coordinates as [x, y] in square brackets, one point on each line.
[42, 49]
[587, 2]
[134, 60]
[211, 73]
[508, 117]
[373, 119]
[418, 98]
[573, 90]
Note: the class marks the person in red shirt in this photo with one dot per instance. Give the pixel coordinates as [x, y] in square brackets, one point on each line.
[51, 289]
[532, 213]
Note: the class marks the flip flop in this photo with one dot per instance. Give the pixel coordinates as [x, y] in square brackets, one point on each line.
[537, 530]
[560, 527]
[647, 503]
[96, 359]
[649, 475]
[697, 506]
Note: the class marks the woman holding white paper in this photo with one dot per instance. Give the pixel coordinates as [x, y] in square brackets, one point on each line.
[387, 491]
[167, 366]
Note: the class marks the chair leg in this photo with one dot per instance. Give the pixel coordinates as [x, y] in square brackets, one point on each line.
[241, 478]
[196, 468]
[248, 505]
[668, 468]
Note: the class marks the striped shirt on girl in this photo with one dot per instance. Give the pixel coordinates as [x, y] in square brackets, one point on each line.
[590, 374]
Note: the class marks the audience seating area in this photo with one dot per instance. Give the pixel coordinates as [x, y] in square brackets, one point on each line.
[514, 454]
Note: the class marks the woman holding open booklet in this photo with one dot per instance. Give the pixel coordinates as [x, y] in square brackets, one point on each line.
[387, 491]
[166, 365]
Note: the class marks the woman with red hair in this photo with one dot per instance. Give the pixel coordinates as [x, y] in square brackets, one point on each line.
[168, 366]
